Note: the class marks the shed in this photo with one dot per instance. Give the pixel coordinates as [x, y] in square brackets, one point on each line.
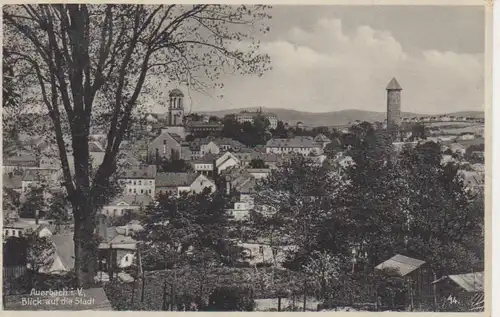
[415, 275]
[465, 288]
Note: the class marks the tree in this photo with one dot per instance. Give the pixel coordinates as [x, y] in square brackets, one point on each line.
[34, 204]
[182, 230]
[258, 163]
[445, 219]
[372, 196]
[10, 205]
[225, 298]
[213, 119]
[175, 166]
[58, 209]
[280, 131]
[89, 62]
[299, 199]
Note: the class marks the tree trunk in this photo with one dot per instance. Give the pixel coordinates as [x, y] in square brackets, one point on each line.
[85, 249]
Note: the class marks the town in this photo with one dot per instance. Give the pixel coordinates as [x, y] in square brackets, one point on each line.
[109, 204]
[178, 153]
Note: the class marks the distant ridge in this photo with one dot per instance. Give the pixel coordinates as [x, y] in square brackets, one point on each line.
[334, 118]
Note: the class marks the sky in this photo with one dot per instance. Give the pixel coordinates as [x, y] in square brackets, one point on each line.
[330, 58]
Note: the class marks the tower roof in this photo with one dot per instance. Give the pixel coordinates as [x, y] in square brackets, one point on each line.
[394, 85]
[176, 93]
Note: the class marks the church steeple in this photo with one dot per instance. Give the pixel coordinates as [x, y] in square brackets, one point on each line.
[176, 108]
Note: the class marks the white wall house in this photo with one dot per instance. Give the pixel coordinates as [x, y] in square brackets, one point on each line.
[120, 205]
[300, 145]
[176, 183]
[139, 180]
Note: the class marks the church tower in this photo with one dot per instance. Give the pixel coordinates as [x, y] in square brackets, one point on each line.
[393, 105]
[176, 108]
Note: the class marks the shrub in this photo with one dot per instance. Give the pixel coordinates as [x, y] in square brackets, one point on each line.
[231, 298]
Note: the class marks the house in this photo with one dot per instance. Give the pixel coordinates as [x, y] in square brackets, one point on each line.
[126, 203]
[203, 128]
[175, 183]
[62, 260]
[139, 180]
[414, 273]
[270, 159]
[259, 173]
[460, 288]
[167, 145]
[95, 299]
[302, 145]
[38, 177]
[322, 140]
[445, 118]
[20, 162]
[23, 226]
[467, 136]
[245, 202]
[205, 165]
[473, 180]
[225, 161]
[13, 181]
[249, 116]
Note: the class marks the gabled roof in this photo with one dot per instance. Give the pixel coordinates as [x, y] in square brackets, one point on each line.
[208, 158]
[65, 249]
[175, 179]
[296, 142]
[139, 172]
[38, 174]
[394, 85]
[402, 265]
[321, 138]
[95, 147]
[20, 160]
[470, 282]
[132, 200]
[248, 187]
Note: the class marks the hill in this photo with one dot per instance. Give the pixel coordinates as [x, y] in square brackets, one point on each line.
[333, 118]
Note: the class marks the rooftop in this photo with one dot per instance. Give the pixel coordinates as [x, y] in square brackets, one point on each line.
[132, 200]
[470, 282]
[394, 85]
[139, 172]
[296, 142]
[175, 179]
[176, 93]
[403, 265]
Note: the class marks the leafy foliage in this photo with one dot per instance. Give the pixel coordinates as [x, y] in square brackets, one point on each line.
[231, 299]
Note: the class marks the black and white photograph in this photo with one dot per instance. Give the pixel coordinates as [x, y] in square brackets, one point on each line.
[230, 157]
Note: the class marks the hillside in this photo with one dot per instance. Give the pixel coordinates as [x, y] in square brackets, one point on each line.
[333, 118]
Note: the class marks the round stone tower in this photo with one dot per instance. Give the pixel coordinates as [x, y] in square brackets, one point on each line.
[176, 108]
[393, 105]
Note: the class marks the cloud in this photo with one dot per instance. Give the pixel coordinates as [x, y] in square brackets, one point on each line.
[325, 69]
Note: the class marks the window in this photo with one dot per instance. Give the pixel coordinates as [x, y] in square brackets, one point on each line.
[150, 191]
[130, 190]
[164, 142]
[135, 183]
[126, 258]
[150, 182]
[135, 191]
[142, 191]
[140, 182]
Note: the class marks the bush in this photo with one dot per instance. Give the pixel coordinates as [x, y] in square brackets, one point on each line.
[232, 298]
